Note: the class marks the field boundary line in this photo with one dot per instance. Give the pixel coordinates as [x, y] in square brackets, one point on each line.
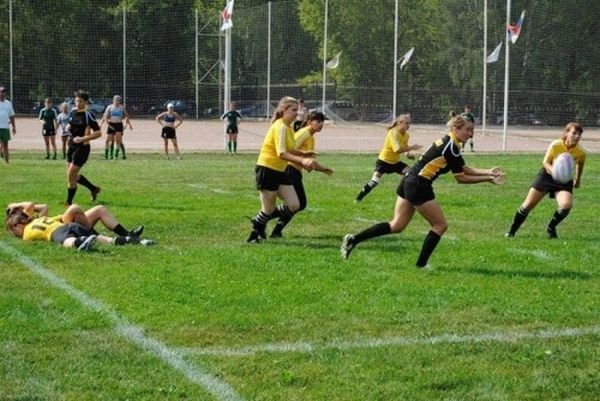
[134, 334]
[397, 341]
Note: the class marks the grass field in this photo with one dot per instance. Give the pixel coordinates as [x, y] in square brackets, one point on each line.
[205, 316]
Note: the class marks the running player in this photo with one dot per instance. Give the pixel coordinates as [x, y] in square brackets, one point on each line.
[73, 229]
[63, 123]
[544, 184]
[114, 115]
[49, 119]
[304, 141]
[170, 120]
[388, 161]
[275, 153]
[82, 128]
[233, 118]
[415, 192]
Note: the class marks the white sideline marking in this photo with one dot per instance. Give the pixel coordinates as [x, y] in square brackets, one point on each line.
[215, 190]
[537, 253]
[135, 334]
[309, 347]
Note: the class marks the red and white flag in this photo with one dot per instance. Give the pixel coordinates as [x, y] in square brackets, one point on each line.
[226, 16]
[514, 30]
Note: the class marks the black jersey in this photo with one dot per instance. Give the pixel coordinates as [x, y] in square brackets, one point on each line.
[442, 156]
[80, 120]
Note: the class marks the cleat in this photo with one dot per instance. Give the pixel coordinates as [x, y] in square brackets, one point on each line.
[254, 237]
[551, 232]
[88, 244]
[427, 267]
[259, 228]
[509, 235]
[95, 193]
[147, 242]
[132, 240]
[276, 234]
[136, 232]
[347, 246]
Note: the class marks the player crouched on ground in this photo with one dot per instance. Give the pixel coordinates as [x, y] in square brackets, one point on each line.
[73, 229]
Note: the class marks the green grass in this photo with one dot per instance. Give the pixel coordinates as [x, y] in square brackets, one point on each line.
[202, 287]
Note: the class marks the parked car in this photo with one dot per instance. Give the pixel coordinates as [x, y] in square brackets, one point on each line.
[95, 107]
[528, 118]
[182, 107]
[341, 108]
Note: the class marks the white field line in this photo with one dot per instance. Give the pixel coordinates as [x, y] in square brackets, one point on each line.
[399, 341]
[135, 334]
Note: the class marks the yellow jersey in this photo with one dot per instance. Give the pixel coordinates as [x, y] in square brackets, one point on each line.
[279, 139]
[41, 229]
[394, 141]
[558, 146]
[303, 140]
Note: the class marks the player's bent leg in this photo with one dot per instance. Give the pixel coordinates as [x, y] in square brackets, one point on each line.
[433, 213]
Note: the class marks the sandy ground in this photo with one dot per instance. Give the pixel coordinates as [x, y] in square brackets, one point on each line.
[208, 135]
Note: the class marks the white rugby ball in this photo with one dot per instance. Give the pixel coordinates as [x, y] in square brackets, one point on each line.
[563, 168]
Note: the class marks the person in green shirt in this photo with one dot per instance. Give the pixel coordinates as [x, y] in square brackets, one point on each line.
[49, 119]
[233, 118]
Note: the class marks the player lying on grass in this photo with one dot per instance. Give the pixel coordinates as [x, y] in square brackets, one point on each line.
[73, 229]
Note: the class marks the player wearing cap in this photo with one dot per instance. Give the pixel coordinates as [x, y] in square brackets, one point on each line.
[170, 120]
[114, 115]
[7, 116]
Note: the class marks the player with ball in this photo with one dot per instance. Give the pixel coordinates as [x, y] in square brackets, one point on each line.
[561, 171]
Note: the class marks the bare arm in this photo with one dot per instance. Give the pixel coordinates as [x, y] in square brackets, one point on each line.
[471, 175]
[14, 127]
[578, 171]
[158, 117]
[29, 208]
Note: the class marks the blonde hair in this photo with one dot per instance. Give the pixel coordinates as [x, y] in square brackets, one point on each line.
[458, 122]
[399, 119]
[14, 219]
[568, 127]
[285, 103]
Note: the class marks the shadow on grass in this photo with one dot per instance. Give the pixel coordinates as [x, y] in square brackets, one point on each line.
[562, 274]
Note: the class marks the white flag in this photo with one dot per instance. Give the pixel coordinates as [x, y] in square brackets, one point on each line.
[334, 62]
[226, 15]
[493, 57]
[406, 58]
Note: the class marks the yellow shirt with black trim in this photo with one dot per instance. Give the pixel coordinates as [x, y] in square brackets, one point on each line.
[442, 156]
[41, 229]
[394, 141]
[279, 139]
[304, 141]
[558, 146]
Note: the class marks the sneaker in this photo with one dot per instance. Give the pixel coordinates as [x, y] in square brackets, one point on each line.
[147, 242]
[136, 232]
[95, 193]
[509, 235]
[254, 237]
[87, 244]
[347, 246]
[132, 240]
[551, 232]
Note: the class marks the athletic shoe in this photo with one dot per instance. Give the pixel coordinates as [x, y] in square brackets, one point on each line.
[95, 193]
[147, 242]
[87, 244]
[259, 228]
[426, 267]
[276, 234]
[551, 232]
[132, 240]
[136, 232]
[347, 245]
[509, 235]
[254, 237]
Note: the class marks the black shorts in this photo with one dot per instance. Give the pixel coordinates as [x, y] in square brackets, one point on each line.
[113, 128]
[545, 183]
[78, 154]
[269, 180]
[295, 177]
[387, 168]
[232, 129]
[416, 190]
[70, 230]
[168, 133]
[48, 131]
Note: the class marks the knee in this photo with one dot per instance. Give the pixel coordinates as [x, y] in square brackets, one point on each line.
[294, 206]
[439, 228]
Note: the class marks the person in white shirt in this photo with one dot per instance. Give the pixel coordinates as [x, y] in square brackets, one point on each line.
[7, 116]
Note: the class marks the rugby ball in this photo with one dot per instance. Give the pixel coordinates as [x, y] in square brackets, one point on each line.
[563, 168]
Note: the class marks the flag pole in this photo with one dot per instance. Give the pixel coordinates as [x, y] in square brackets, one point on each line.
[484, 100]
[506, 77]
[325, 55]
[268, 108]
[395, 89]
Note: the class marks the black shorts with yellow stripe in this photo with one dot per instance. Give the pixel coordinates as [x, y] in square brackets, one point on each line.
[416, 190]
[387, 168]
[545, 183]
[269, 180]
